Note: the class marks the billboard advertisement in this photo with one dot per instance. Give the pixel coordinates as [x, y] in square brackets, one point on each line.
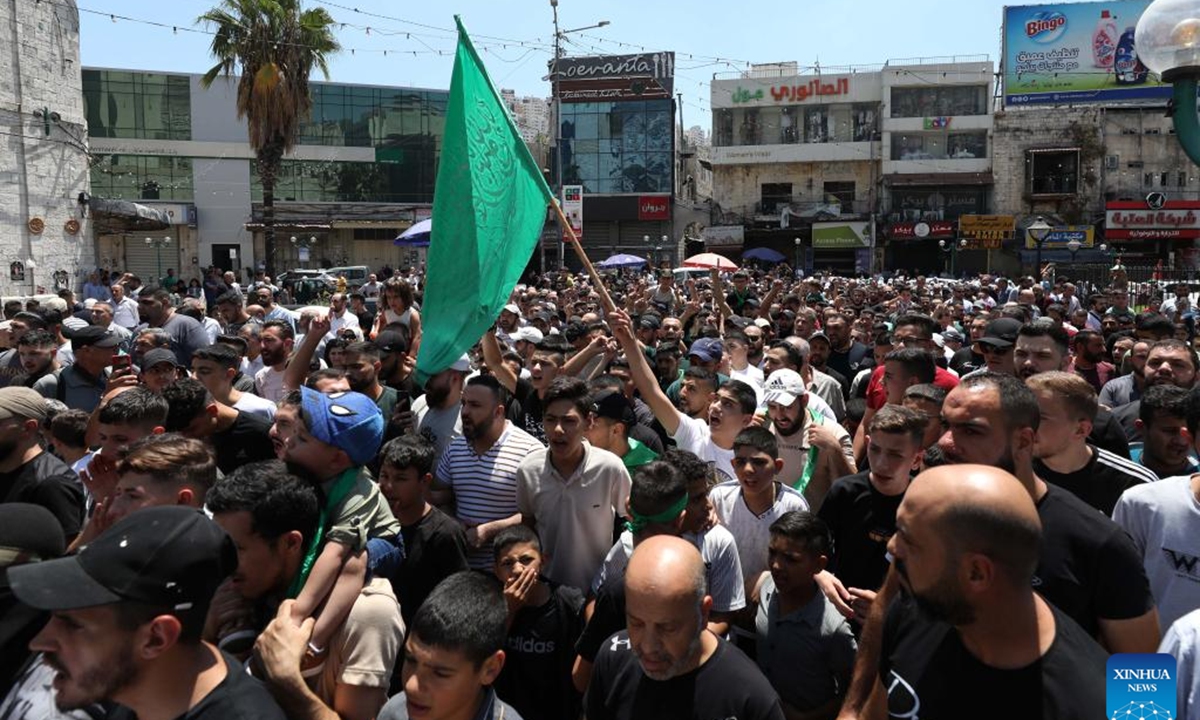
[1076, 53]
[615, 77]
[841, 235]
[572, 206]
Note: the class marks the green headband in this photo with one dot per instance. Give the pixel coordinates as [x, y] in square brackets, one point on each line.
[638, 523]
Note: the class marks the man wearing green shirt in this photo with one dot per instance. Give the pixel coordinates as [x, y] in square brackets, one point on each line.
[611, 420]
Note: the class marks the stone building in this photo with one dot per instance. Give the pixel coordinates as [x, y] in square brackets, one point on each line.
[45, 234]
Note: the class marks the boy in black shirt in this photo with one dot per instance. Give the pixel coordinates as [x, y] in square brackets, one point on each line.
[435, 544]
[860, 509]
[543, 622]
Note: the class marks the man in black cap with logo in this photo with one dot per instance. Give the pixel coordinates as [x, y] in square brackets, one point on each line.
[996, 345]
[126, 618]
[29, 474]
[81, 384]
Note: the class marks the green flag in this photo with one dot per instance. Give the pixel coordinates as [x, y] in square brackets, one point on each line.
[489, 207]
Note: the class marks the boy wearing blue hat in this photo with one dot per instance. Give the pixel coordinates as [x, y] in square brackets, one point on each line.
[330, 438]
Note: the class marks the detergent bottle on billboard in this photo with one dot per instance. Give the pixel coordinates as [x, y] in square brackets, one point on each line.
[1104, 41]
[1128, 66]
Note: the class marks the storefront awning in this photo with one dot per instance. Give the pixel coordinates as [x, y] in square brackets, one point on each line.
[111, 217]
[914, 179]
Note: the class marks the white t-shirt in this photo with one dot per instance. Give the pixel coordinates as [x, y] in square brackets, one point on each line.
[1183, 642]
[750, 531]
[252, 404]
[753, 377]
[695, 436]
[437, 425]
[1163, 518]
[269, 384]
[722, 567]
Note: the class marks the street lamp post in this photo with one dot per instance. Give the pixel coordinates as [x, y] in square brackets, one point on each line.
[303, 245]
[1073, 246]
[1168, 43]
[952, 248]
[559, 35]
[796, 269]
[1039, 230]
[158, 244]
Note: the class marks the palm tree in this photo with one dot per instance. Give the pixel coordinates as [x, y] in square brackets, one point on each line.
[273, 46]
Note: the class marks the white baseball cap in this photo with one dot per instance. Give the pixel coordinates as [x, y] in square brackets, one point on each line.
[784, 387]
[529, 334]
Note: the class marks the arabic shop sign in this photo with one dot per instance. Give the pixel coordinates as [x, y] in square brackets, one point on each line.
[789, 94]
[922, 230]
[1176, 220]
[987, 227]
[654, 207]
[840, 235]
[1058, 238]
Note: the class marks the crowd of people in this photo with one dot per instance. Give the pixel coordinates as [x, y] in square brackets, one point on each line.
[735, 495]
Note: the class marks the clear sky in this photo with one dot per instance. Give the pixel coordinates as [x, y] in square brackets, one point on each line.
[515, 37]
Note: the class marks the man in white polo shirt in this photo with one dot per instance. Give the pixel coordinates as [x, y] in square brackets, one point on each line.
[571, 492]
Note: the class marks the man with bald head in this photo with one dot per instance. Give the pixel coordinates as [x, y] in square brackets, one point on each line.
[968, 623]
[667, 664]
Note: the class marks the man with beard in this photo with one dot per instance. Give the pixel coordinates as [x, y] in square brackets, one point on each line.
[1166, 450]
[814, 448]
[1129, 387]
[363, 361]
[37, 349]
[1089, 359]
[272, 517]
[10, 360]
[127, 615]
[544, 367]
[667, 664]
[968, 627]
[438, 413]
[1088, 566]
[186, 334]
[846, 355]
[29, 474]
[476, 478]
[265, 298]
[277, 340]
[1170, 362]
[508, 323]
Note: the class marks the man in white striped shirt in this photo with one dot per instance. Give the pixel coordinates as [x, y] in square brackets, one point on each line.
[476, 478]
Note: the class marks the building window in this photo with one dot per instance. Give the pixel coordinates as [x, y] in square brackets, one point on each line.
[1052, 172]
[841, 193]
[939, 145]
[358, 116]
[943, 101]
[142, 177]
[618, 147]
[775, 196]
[723, 124]
[408, 179]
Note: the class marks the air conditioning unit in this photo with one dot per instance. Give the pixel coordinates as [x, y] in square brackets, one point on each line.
[1112, 162]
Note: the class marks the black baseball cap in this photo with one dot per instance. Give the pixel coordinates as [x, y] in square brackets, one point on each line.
[1001, 333]
[93, 335]
[172, 556]
[613, 404]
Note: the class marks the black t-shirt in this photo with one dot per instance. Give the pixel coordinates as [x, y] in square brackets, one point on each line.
[539, 653]
[529, 414]
[929, 674]
[1089, 568]
[49, 482]
[862, 520]
[1127, 416]
[608, 618]
[246, 441]
[729, 685]
[435, 548]
[1100, 482]
[366, 320]
[1109, 434]
[966, 361]
[849, 363]
[238, 697]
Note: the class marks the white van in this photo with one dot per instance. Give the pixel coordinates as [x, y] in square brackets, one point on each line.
[683, 273]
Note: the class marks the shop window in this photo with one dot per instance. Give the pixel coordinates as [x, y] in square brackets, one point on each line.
[1052, 172]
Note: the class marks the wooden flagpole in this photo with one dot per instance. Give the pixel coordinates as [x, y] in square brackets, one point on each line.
[605, 299]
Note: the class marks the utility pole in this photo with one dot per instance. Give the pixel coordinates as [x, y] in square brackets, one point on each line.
[558, 166]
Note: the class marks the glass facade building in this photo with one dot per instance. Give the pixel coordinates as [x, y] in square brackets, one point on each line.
[408, 179]
[146, 106]
[143, 177]
[618, 147]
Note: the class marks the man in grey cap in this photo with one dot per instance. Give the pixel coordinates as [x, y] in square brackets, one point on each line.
[81, 385]
[29, 474]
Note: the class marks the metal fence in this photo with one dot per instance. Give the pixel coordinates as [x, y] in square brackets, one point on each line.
[1144, 281]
